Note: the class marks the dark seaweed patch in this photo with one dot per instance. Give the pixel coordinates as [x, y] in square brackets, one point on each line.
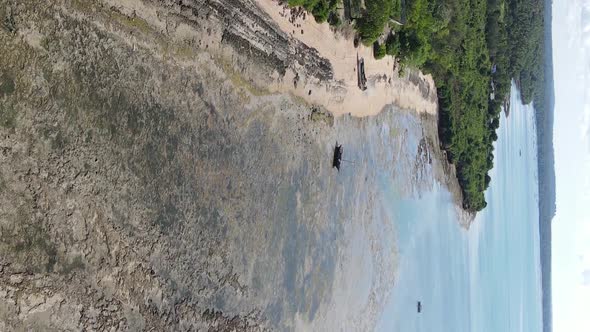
[7, 85]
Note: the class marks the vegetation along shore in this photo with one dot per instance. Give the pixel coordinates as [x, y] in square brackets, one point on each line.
[472, 48]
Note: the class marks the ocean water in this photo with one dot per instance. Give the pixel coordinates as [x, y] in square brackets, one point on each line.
[486, 278]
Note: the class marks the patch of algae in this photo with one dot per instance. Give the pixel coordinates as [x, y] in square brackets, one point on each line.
[114, 15]
[131, 22]
[238, 80]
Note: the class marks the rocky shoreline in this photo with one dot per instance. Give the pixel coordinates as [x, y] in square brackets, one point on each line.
[145, 160]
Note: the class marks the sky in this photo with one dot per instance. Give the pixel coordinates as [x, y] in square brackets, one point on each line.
[571, 226]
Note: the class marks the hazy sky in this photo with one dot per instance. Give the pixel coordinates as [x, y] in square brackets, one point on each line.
[571, 226]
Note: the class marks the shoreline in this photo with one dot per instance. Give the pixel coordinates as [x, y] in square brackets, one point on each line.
[341, 95]
[321, 48]
[415, 91]
[160, 182]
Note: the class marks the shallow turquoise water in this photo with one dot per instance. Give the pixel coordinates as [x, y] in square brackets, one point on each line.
[486, 278]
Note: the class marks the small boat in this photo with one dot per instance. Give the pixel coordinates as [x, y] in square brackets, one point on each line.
[337, 160]
[361, 77]
[419, 307]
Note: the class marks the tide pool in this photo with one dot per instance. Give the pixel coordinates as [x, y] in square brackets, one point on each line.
[486, 278]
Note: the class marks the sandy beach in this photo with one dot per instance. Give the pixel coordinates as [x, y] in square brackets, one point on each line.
[343, 95]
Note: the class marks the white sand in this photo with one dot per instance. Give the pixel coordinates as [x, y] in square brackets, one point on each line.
[343, 96]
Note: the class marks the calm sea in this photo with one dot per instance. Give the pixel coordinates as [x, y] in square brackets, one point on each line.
[486, 278]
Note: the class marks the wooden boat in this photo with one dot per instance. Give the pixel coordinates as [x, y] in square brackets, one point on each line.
[337, 160]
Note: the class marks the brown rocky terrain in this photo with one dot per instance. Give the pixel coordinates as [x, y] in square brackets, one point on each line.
[150, 179]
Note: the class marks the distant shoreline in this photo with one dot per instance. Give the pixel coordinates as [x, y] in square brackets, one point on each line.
[546, 169]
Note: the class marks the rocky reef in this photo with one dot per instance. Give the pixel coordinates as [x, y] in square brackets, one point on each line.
[150, 180]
